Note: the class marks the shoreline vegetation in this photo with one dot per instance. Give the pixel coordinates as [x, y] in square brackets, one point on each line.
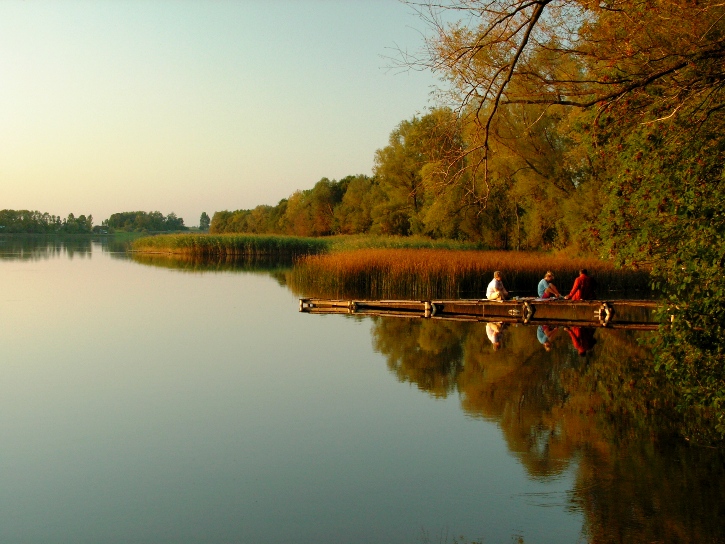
[213, 245]
[443, 273]
[396, 267]
[199, 244]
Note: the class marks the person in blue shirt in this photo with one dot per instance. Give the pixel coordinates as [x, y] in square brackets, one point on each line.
[546, 288]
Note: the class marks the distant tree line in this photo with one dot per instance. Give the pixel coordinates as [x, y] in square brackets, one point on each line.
[35, 222]
[143, 221]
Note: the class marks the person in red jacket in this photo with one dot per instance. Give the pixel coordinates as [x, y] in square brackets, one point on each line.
[583, 287]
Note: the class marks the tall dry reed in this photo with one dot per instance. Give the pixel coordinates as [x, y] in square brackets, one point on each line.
[438, 273]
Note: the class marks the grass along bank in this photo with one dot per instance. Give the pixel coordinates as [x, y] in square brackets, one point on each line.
[372, 267]
[220, 245]
[201, 245]
[442, 273]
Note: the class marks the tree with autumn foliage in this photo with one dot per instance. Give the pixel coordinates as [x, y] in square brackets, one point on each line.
[639, 88]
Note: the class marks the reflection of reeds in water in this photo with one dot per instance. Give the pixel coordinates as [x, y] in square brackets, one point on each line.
[229, 244]
[218, 263]
[438, 273]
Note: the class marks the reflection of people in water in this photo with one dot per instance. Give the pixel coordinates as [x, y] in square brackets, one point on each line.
[545, 334]
[493, 331]
[582, 338]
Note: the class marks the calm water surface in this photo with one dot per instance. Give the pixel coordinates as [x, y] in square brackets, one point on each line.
[144, 403]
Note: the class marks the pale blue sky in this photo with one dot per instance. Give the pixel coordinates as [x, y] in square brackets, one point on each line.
[191, 106]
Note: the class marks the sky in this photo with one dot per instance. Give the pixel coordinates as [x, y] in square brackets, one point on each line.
[196, 106]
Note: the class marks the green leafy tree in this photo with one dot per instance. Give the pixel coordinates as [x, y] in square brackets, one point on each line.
[325, 196]
[353, 214]
[668, 213]
[408, 172]
[143, 221]
[204, 221]
[35, 222]
[219, 222]
[312, 212]
[172, 222]
[80, 225]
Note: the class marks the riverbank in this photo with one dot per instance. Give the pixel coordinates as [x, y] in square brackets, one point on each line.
[395, 267]
[216, 245]
[253, 244]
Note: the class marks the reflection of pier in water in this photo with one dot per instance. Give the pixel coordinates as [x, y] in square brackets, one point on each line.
[620, 314]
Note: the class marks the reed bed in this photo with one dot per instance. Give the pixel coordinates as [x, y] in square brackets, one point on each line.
[254, 244]
[220, 245]
[439, 273]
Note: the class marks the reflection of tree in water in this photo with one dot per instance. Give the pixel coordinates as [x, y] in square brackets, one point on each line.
[517, 386]
[638, 491]
[35, 247]
[424, 352]
[643, 484]
[610, 412]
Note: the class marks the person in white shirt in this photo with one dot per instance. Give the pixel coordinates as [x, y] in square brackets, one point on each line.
[496, 290]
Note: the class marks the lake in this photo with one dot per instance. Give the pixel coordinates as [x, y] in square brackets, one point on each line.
[145, 403]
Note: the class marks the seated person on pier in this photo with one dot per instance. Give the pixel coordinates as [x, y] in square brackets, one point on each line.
[496, 290]
[583, 288]
[546, 288]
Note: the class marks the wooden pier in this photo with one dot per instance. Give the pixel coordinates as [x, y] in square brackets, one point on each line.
[630, 314]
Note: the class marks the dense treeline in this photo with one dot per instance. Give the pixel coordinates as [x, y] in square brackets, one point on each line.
[145, 221]
[538, 194]
[35, 222]
[330, 207]
[405, 197]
